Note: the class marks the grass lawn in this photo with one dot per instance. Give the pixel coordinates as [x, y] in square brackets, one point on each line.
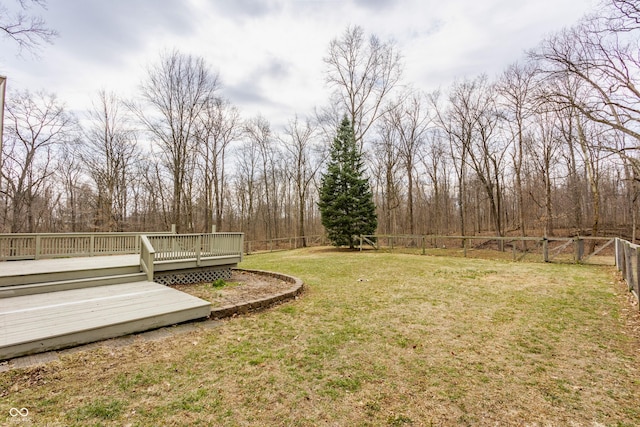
[376, 339]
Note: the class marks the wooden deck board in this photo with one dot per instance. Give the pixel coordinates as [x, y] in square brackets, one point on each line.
[58, 319]
[70, 296]
[29, 325]
[14, 273]
[16, 268]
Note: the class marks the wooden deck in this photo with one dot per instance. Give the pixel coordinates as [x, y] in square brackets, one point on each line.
[48, 321]
[57, 303]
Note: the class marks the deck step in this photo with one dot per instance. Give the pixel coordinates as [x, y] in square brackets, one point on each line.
[29, 278]
[65, 285]
[56, 270]
[49, 321]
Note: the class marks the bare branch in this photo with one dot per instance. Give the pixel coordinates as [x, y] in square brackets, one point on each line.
[28, 30]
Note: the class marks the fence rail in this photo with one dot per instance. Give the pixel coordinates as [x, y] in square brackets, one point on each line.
[283, 243]
[548, 249]
[26, 246]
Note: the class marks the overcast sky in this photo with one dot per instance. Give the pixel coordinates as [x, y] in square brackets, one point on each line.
[269, 52]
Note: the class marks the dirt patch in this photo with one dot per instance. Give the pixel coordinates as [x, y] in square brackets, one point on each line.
[242, 288]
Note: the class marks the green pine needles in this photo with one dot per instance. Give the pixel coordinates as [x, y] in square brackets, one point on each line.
[346, 201]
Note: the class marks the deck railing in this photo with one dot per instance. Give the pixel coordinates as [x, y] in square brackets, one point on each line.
[178, 247]
[62, 245]
[147, 257]
[190, 246]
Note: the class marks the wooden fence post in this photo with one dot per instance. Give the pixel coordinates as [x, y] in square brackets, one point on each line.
[619, 254]
[623, 265]
[628, 267]
[464, 246]
[636, 286]
[545, 249]
[579, 249]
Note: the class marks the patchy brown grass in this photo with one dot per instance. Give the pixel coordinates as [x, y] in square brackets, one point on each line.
[377, 339]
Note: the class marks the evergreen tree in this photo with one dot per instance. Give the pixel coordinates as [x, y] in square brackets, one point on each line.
[346, 201]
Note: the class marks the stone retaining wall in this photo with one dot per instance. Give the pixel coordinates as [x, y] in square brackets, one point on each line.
[260, 304]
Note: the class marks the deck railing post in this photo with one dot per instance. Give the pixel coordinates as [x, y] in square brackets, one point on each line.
[198, 249]
[92, 243]
[147, 257]
[38, 248]
[211, 243]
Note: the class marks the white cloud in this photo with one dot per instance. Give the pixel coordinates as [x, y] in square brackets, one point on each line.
[269, 52]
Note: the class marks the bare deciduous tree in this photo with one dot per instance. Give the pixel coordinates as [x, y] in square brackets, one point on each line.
[362, 72]
[304, 160]
[77, 207]
[457, 125]
[176, 92]
[259, 134]
[386, 179]
[220, 126]
[607, 68]
[37, 125]
[410, 119]
[109, 152]
[516, 86]
[247, 187]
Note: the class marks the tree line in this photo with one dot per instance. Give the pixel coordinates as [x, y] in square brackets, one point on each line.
[550, 146]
